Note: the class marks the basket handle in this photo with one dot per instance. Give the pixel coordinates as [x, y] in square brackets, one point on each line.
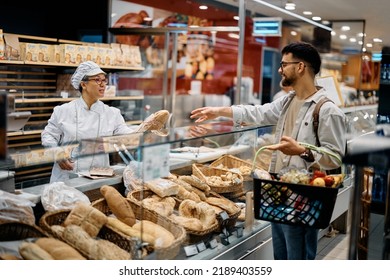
[306, 145]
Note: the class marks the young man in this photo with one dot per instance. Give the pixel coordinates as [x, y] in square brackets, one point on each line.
[292, 115]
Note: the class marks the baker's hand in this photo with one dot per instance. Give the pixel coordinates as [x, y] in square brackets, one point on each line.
[204, 114]
[66, 164]
[287, 146]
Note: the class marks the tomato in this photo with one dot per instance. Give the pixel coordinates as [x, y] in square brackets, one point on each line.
[318, 173]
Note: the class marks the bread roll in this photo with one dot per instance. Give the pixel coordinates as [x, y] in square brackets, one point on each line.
[32, 251]
[207, 215]
[87, 217]
[58, 249]
[163, 237]
[196, 182]
[118, 204]
[189, 208]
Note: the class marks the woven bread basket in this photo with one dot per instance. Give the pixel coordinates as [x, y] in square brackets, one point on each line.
[145, 214]
[193, 236]
[231, 162]
[13, 231]
[58, 217]
[204, 172]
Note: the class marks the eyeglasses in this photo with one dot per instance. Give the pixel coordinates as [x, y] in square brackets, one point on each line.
[284, 63]
[99, 81]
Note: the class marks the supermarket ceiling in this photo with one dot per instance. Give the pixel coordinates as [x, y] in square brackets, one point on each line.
[370, 17]
[362, 16]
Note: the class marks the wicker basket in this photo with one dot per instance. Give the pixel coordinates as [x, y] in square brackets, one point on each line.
[58, 217]
[232, 162]
[203, 171]
[193, 236]
[13, 231]
[145, 214]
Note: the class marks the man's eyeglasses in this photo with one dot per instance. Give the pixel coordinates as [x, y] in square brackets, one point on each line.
[99, 81]
[284, 63]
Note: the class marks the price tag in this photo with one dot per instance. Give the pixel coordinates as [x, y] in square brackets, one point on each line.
[213, 243]
[239, 231]
[190, 250]
[155, 162]
[224, 216]
[201, 246]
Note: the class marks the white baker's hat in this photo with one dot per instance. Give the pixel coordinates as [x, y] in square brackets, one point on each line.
[87, 68]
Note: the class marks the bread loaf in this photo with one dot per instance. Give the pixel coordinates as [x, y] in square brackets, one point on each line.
[87, 217]
[129, 231]
[162, 187]
[164, 208]
[93, 249]
[31, 251]
[162, 237]
[184, 194]
[229, 206]
[58, 249]
[196, 182]
[155, 121]
[118, 204]
[192, 224]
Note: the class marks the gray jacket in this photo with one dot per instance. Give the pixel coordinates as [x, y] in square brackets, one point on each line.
[331, 131]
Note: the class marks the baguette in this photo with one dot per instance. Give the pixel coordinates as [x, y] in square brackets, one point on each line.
[229, 206]
[163, 238]
[58, 249]
[93, 249]
[129, 231]
[118, 204]
[32, 251]
[192, 224]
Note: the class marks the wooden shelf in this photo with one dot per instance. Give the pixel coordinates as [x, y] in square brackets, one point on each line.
[53, 64]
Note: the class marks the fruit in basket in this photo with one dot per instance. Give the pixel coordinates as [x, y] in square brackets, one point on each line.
[329, 180]
[319, 181]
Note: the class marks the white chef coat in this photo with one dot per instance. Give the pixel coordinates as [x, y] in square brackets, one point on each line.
[72, 122]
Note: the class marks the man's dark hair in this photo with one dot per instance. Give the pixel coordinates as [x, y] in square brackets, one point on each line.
[305, 52]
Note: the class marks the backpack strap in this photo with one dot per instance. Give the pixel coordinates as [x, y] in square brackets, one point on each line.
[316, 117]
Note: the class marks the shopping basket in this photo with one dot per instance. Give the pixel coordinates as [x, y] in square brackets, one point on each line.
[294, 204]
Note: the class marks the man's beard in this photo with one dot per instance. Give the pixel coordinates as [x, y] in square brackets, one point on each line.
[288, 82]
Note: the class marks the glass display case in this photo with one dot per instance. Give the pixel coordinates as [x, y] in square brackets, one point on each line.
[163, 161]
[177, 154]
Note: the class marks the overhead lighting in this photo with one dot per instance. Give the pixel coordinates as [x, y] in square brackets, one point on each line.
[203, 7]
[236, 17]
[293, 14]
[290, 6]
[377, 40]
[369, 45]
[307, 13]
[316, 18]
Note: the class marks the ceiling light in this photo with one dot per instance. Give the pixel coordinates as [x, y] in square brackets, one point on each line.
[203, 7]
[290, 6]
[333, 33]
[377, 40]
[345, 28]
[352, 40]
[369, 45]
[294, 33]
[307, 13]
[343, 36]
[264, 3]
[236, 17]
[316, 18]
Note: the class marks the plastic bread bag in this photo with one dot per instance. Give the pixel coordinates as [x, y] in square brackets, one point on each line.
[132, 176]
[58, 195]
[16, 209]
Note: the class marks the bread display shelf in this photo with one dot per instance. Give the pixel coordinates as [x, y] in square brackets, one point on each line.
[209, 156]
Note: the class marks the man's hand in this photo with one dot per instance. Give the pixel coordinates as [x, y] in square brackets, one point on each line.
[288, 146]
[66, 164]
[204, 114]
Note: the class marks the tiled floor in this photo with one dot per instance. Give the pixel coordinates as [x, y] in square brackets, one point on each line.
[337, 246]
